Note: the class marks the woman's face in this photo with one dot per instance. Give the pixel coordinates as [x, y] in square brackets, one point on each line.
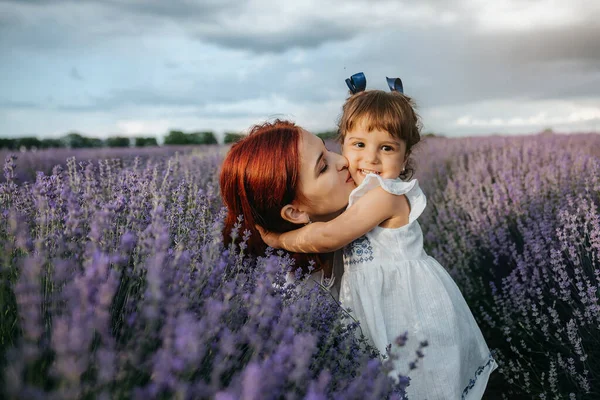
[325, 182]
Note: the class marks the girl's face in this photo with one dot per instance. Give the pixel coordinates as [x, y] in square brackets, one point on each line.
[325, 182]
[373, 152]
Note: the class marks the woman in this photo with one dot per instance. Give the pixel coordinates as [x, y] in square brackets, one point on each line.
[280, 177]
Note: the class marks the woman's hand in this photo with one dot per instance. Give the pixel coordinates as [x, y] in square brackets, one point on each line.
[271, 239]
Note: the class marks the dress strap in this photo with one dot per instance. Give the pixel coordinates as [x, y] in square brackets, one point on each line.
[397, 186]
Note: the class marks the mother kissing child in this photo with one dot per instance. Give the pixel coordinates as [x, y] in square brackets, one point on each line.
[275, 177]
[391, 285]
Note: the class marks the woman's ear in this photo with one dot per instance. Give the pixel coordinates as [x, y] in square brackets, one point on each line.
[291, 213]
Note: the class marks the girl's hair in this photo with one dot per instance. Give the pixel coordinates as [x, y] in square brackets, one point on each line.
[260, 175]
[392, 112]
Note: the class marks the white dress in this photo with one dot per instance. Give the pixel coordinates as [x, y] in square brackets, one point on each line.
[392, 286]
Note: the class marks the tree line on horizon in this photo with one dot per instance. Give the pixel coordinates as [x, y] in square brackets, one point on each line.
[74, 140]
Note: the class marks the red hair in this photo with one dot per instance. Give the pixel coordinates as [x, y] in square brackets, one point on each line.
[259, 176]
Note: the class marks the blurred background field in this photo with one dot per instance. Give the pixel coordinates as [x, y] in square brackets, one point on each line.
[115, 282]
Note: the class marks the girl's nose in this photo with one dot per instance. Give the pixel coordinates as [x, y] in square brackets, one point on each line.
[371, 157]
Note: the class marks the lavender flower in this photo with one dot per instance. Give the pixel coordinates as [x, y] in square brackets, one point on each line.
[115, 283]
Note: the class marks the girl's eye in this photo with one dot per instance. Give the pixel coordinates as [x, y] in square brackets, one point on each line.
[359, 144]
[324, 168]
[387, 148]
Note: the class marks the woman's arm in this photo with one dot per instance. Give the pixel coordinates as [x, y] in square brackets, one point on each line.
[322, 237]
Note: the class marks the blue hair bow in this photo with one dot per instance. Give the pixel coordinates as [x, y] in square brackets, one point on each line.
[358, 82]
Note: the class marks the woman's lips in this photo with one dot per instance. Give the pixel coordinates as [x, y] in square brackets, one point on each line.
[349, 178]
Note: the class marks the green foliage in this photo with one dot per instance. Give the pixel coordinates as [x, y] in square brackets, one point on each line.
[93, 142]
[118, 141]
[206, 137]
[232, 137]
[176, 137]
[6, 143]
[180, 137]
[16, 143]
[328, 135]
[50, 143]
[28, 142]
[74, 140]
[145, 141]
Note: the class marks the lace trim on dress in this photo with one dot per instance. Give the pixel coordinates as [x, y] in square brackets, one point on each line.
[371, 181]
[477, 373]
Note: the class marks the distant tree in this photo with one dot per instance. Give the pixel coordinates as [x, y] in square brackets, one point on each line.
[177, 137]
[93, 142]
[232, 137]
[51, 143]
[327, 135]
[10, 144]
[29, 142]
[430, 134]
[74, 140]
[145, 141]
[118, 141]
[180, 137]
[206, 137]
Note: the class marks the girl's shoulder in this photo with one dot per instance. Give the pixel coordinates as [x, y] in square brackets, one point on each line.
[409, 189]
[393, 186]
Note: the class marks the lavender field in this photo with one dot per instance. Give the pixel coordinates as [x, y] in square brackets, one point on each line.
[115, 283]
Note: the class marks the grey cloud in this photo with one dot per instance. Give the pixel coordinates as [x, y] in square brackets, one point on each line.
[580, 42]
[274, 80]
[74, 74]
[96, 20]
[28, 2]
[199, 94]
[215, 22]
[439, 65]
[112, 102]
[171, 64]
[553, 63]
[309, 35]
[209, 21]
[184, 10]
[459, 66]
[20, 105]
[134, 97]
[151, 7]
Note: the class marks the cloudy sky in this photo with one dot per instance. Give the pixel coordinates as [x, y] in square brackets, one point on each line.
[133, 67]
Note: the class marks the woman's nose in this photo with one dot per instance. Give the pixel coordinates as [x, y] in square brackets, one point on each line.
[341, 162]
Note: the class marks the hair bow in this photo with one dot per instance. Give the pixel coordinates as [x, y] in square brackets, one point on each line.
[358, 82]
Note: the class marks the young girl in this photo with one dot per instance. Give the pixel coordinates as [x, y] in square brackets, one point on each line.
[390, 284]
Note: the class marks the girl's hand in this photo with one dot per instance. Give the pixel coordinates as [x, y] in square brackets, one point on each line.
[271, 239]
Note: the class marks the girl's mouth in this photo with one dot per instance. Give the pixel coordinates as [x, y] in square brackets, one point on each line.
[365, 172]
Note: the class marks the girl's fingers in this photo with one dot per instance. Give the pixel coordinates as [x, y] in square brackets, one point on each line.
[263, 233]
[269, 238]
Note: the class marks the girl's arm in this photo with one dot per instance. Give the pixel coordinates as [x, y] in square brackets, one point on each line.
[323, 237]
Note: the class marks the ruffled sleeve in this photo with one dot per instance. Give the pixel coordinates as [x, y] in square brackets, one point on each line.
[411, 189]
